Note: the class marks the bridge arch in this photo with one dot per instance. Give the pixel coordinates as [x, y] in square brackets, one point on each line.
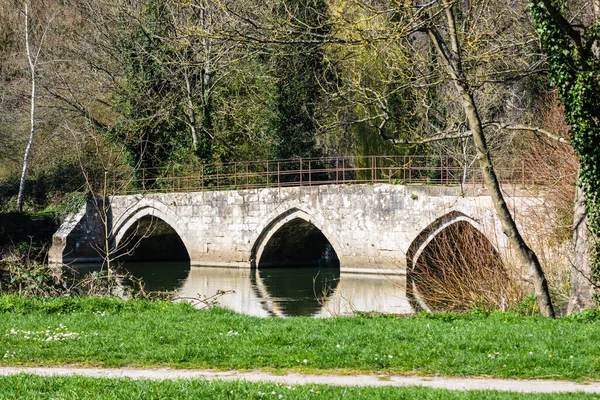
[432, 230]
[452, 265]
[146, 210]
[289, 223]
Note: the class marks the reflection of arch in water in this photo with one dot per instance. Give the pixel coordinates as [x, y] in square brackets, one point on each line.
[149, 233]
[262, 293]
[290, 291]
[427, 241]
[293, 239]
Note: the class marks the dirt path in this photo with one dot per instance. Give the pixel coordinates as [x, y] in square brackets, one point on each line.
[514, 385]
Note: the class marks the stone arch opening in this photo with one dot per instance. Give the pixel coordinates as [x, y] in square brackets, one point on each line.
[150, 238]
[294, 241]
[430, 232]
[297, 267]
[457, 268]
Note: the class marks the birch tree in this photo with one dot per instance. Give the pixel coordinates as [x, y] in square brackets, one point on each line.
[32, 61]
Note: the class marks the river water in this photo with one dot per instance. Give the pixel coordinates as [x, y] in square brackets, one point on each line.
[280, 292]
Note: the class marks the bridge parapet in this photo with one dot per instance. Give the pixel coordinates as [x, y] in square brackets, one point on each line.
[399, 170]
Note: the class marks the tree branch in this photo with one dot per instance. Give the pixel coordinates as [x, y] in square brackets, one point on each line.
[534, 129]
[444, 135]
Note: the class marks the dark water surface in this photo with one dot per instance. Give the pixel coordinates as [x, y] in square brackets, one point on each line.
[276, 291]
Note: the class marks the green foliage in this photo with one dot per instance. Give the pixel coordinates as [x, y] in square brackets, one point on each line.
[22, 305]
[529, 306]
[299, 70]
[71, 203]
[28, 279]
[574, 71]
[592, 315]
[24, 236]
[151, 124]
[43, 187]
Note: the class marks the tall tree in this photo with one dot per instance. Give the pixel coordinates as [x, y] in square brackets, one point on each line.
[573, 49]
[449, 48]
[33, 58]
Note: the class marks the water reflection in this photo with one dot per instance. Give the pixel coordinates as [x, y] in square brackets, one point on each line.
[279, 292]
[158, 276]
[288, 291]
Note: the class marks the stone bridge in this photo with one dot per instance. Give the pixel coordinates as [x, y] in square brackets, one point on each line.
[365, 228]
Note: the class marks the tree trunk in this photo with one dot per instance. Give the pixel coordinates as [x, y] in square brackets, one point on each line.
[451, 59]
[582, 289]
[509, 227]
[30, 60]
[596, 10]
[191, 110]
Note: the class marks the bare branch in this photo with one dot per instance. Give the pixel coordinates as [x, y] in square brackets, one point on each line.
[534, 129]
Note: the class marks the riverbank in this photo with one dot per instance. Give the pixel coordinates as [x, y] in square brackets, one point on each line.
[108, 332]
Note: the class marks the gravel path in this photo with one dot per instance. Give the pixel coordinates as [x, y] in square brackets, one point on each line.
[514, 385]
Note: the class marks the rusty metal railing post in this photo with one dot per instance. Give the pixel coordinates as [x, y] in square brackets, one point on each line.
[172, 178]
[373, 167]
[309, 174]
[278, 179]
[267, 173]
[247, 177]
[337, 169]
[202, 177]
[300, 172]
[235, 175]
[447, 171]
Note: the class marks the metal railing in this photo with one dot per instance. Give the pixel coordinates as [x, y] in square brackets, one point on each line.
[407, 170]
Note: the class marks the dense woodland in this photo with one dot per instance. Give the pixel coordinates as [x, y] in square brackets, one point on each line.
[106, 84]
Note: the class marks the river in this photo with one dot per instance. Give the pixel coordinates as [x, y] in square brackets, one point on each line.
[277, 291]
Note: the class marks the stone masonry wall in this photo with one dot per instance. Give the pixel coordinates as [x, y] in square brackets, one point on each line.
[369, 226]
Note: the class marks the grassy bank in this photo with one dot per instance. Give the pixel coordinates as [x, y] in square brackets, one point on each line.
[110, 332]
[30, 387]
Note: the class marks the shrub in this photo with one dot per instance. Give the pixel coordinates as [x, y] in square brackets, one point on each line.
[460, 270]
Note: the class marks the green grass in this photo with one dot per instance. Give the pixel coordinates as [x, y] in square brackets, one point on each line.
[34, 387]
[114, 333]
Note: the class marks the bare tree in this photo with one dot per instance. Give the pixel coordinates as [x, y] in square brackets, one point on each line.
[32, 60]
[449, 52]
[468, 55]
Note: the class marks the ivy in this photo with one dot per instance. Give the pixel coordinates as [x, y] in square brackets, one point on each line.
[574, 72]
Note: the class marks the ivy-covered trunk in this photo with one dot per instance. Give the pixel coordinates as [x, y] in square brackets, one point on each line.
[573, 69]
[582, 290]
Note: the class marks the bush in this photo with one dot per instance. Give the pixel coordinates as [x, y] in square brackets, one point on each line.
[460, 270]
